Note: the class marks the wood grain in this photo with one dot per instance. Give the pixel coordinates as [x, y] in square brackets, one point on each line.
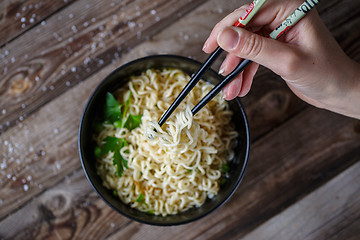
[32, 143]
[327, 213]
[263, 185]
[68, 51]
[301, 157]
[17, 16]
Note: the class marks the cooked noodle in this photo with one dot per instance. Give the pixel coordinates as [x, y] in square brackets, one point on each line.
[179, 165]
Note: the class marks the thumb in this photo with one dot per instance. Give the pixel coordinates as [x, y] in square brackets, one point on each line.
[265, 51]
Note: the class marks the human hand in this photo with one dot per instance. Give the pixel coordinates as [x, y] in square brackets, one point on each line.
[307, 57]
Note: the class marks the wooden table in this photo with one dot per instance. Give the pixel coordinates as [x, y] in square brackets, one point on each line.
[302, 180]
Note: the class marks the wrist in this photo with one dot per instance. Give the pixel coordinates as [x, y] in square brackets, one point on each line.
[346, 100]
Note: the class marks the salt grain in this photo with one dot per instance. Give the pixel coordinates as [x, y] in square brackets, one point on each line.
[131, 25]
[71, 15]
[26, 187]
[67, 83]
[23, 19]
[12, 59]
[153, 12]
[3, 111]
[43, 23]
[74, 29]
[73, 69]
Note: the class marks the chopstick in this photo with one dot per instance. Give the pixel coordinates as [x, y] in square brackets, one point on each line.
[242, 21]
[291, 20]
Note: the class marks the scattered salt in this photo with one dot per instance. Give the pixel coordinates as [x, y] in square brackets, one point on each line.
[58, 165]
[131, 24]
[74, 29]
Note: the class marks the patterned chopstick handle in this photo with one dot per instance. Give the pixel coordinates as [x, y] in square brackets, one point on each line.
[250, 13]
[293, 18]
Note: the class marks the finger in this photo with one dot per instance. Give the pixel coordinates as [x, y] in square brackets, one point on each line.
[229, 64]
[265, 51]
[211, 44]
[232, 90]
[248, 78]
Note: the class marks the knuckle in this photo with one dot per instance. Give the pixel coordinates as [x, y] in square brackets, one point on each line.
[251, 47]
[293, 61]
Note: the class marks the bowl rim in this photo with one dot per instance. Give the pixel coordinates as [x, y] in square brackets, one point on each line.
[82, 157]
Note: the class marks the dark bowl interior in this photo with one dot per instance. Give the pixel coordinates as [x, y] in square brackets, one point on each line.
[93, 110]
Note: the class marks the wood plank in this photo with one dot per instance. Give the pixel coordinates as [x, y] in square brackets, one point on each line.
[68, 51]
[76, 209]
[17, 16]
[50, 147]
[330, 212]
[66, 212]
[263, 185]
[275, 178]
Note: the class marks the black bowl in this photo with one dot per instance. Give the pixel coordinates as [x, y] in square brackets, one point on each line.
[93, 110]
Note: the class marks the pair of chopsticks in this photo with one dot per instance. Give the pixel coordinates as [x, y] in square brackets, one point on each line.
[291, 20]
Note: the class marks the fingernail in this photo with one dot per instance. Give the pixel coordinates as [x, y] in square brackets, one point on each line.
[228, 38]
[224, 94]
[205, 46]
[221, 71]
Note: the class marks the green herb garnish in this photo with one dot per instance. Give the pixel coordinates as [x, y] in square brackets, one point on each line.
[225, 168]
[120, 116]
[151, 212]
[140, 199]
[114, 144]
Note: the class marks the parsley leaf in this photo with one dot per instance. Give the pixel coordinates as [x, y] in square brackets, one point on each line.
[140, 199]
[119, 115]
[112, 108]
[114, 144]
[133, 121]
